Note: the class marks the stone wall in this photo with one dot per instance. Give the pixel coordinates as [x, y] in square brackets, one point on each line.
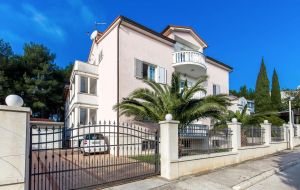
[173, 167]
[13, 124]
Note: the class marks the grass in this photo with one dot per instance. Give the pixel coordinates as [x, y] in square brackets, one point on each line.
[146, 158]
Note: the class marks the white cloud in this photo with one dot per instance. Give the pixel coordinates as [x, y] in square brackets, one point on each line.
[85, 11]
[43, 22]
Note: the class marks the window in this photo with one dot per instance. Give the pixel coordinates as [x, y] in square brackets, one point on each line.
[93, 116]
[151, 74]
[87, 116]
[83, 84]
[88, 85]
[162, 75]
[216, 143]
[93, 86]
[145, 70]
[83, 116]
[216, 89]
[148, 145]
[182, 84]
[72, 88]
[100, 57]
[148, 71]
[94, 136]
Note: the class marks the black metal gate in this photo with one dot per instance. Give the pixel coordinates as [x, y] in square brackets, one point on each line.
[98, 155]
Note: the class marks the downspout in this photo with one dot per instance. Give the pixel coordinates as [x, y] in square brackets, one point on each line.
[118, 84]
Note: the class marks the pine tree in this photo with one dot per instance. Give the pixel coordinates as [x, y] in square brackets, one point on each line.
[262, 91]
[243, 91]
[275, 93]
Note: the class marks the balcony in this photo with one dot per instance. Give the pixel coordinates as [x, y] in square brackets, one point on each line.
[191, 63]
[86, 67]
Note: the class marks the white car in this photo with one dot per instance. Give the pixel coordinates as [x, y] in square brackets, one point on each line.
[94, 143]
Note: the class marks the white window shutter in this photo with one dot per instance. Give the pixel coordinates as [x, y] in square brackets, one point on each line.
[162, 75]
[138, 68]
[218, 89]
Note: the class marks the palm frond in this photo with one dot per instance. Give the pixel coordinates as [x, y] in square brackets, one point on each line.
[158, 100]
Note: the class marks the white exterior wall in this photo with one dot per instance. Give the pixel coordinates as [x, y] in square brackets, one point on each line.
[137, 45]
[107, 81]
[188, 37]
[218, 76]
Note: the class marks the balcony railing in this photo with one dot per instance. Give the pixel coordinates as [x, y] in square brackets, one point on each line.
[199, 95]
[188, 56]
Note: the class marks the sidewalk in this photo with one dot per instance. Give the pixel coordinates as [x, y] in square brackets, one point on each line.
[238, 176]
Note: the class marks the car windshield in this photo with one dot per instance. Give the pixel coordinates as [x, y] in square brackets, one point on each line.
[94, 137]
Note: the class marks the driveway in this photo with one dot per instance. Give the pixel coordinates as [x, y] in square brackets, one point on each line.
[67, 169]
[287, 180]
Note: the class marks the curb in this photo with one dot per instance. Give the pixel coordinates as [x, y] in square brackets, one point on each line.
[250, 182]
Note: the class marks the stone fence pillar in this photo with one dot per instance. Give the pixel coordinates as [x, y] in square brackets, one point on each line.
[291, 135]
[169, 149]
[267, 135]
[286, 130]
[236, 134]
[13, 127]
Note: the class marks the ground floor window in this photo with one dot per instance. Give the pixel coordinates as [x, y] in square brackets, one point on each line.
[93, 116]
[148, 145]
[83, 116]
[216, 89]
[87, 115]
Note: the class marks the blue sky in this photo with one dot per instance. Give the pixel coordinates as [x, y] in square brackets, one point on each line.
[238, 32]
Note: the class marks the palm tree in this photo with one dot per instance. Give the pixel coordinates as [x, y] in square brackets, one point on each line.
[155, 102]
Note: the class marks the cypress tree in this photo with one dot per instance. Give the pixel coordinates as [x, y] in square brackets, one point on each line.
[262, 91]
[275, 93]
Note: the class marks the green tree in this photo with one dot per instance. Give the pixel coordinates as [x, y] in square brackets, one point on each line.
[5, 49]
[275, 93]
[34, 77]
[155, 102]
[234, 93]
[295, 102]
[243, 92]
[262, 91]
[10, 70]
[43, 82]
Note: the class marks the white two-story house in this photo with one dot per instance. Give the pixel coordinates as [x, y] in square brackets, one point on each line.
[128, 52]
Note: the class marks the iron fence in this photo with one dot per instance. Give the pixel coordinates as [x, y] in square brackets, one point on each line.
[277, 134]
[199, 139]
[252, 136]
[95, 156]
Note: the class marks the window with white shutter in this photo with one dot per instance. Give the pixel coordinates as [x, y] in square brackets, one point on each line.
[216, 89]
[144, 70]
[162, 75]
[138, 68]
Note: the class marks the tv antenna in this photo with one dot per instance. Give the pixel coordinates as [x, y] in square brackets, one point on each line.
[96, 24]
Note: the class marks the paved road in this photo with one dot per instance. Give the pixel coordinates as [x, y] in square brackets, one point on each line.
[226, 178]
[287, 180]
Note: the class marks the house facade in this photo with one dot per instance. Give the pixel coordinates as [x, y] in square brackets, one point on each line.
[128, 52]
[239, 103]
